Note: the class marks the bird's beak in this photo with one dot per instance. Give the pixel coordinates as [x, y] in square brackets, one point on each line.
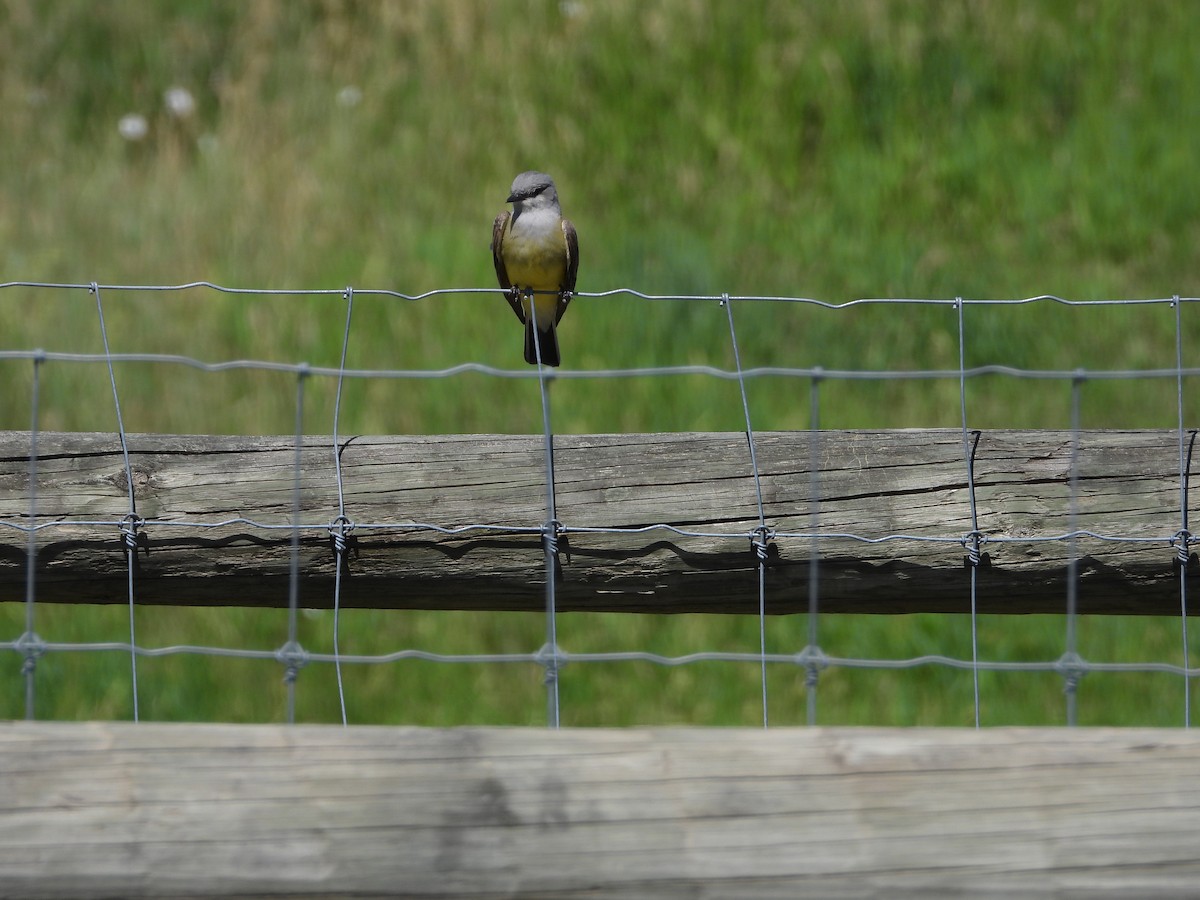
[512, 198]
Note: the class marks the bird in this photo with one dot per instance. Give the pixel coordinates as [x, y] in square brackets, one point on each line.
[536, 254]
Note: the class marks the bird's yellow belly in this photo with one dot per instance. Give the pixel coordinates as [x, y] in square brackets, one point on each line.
[540, 269]
[537, 267]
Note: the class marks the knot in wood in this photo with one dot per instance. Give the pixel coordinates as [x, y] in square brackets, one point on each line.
[139, 478]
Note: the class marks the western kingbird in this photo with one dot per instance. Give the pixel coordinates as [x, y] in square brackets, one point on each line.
[536, 250]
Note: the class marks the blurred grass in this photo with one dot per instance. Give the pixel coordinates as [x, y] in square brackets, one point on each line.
[903, 149]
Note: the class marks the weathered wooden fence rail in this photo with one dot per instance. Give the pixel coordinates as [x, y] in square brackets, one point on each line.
[910, 483]
[116, 809]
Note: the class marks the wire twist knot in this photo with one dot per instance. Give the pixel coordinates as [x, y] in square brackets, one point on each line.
[132, 537]
[343, 541]
[293, 658]
[814, 660]
[973, 542]
[1072, 668]
[550, 658]
[554, 538]
[31, 647]
[1182, 542]
[761, 542]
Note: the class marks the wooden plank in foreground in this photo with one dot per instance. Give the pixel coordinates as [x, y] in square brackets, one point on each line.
[102, 810]
[892, 507]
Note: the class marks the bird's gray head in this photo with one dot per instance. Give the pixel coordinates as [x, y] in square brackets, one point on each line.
[532, 190]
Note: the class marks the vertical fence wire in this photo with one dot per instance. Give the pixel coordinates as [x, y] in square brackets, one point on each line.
[29, 639]
[760, 540]
[551, 532]
[1071, 664]
[129, 531]
[292, 655]
[812, 653]
[974, 538]
[340, 529]
[1187, 565]
[1183, 555]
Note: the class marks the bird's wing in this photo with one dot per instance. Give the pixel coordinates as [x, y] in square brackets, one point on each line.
[568, 287]
[498, 228]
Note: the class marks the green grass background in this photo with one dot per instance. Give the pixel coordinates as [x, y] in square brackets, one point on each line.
[882, 149]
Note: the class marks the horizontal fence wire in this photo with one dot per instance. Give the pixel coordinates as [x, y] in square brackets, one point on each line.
[811, 659]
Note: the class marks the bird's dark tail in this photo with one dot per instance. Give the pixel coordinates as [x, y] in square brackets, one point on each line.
[547, 342]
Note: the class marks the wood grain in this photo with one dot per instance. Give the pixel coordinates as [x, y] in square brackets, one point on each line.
[116, 809]
[902, 486]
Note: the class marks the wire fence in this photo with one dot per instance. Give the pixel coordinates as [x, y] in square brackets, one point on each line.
[550, 657]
